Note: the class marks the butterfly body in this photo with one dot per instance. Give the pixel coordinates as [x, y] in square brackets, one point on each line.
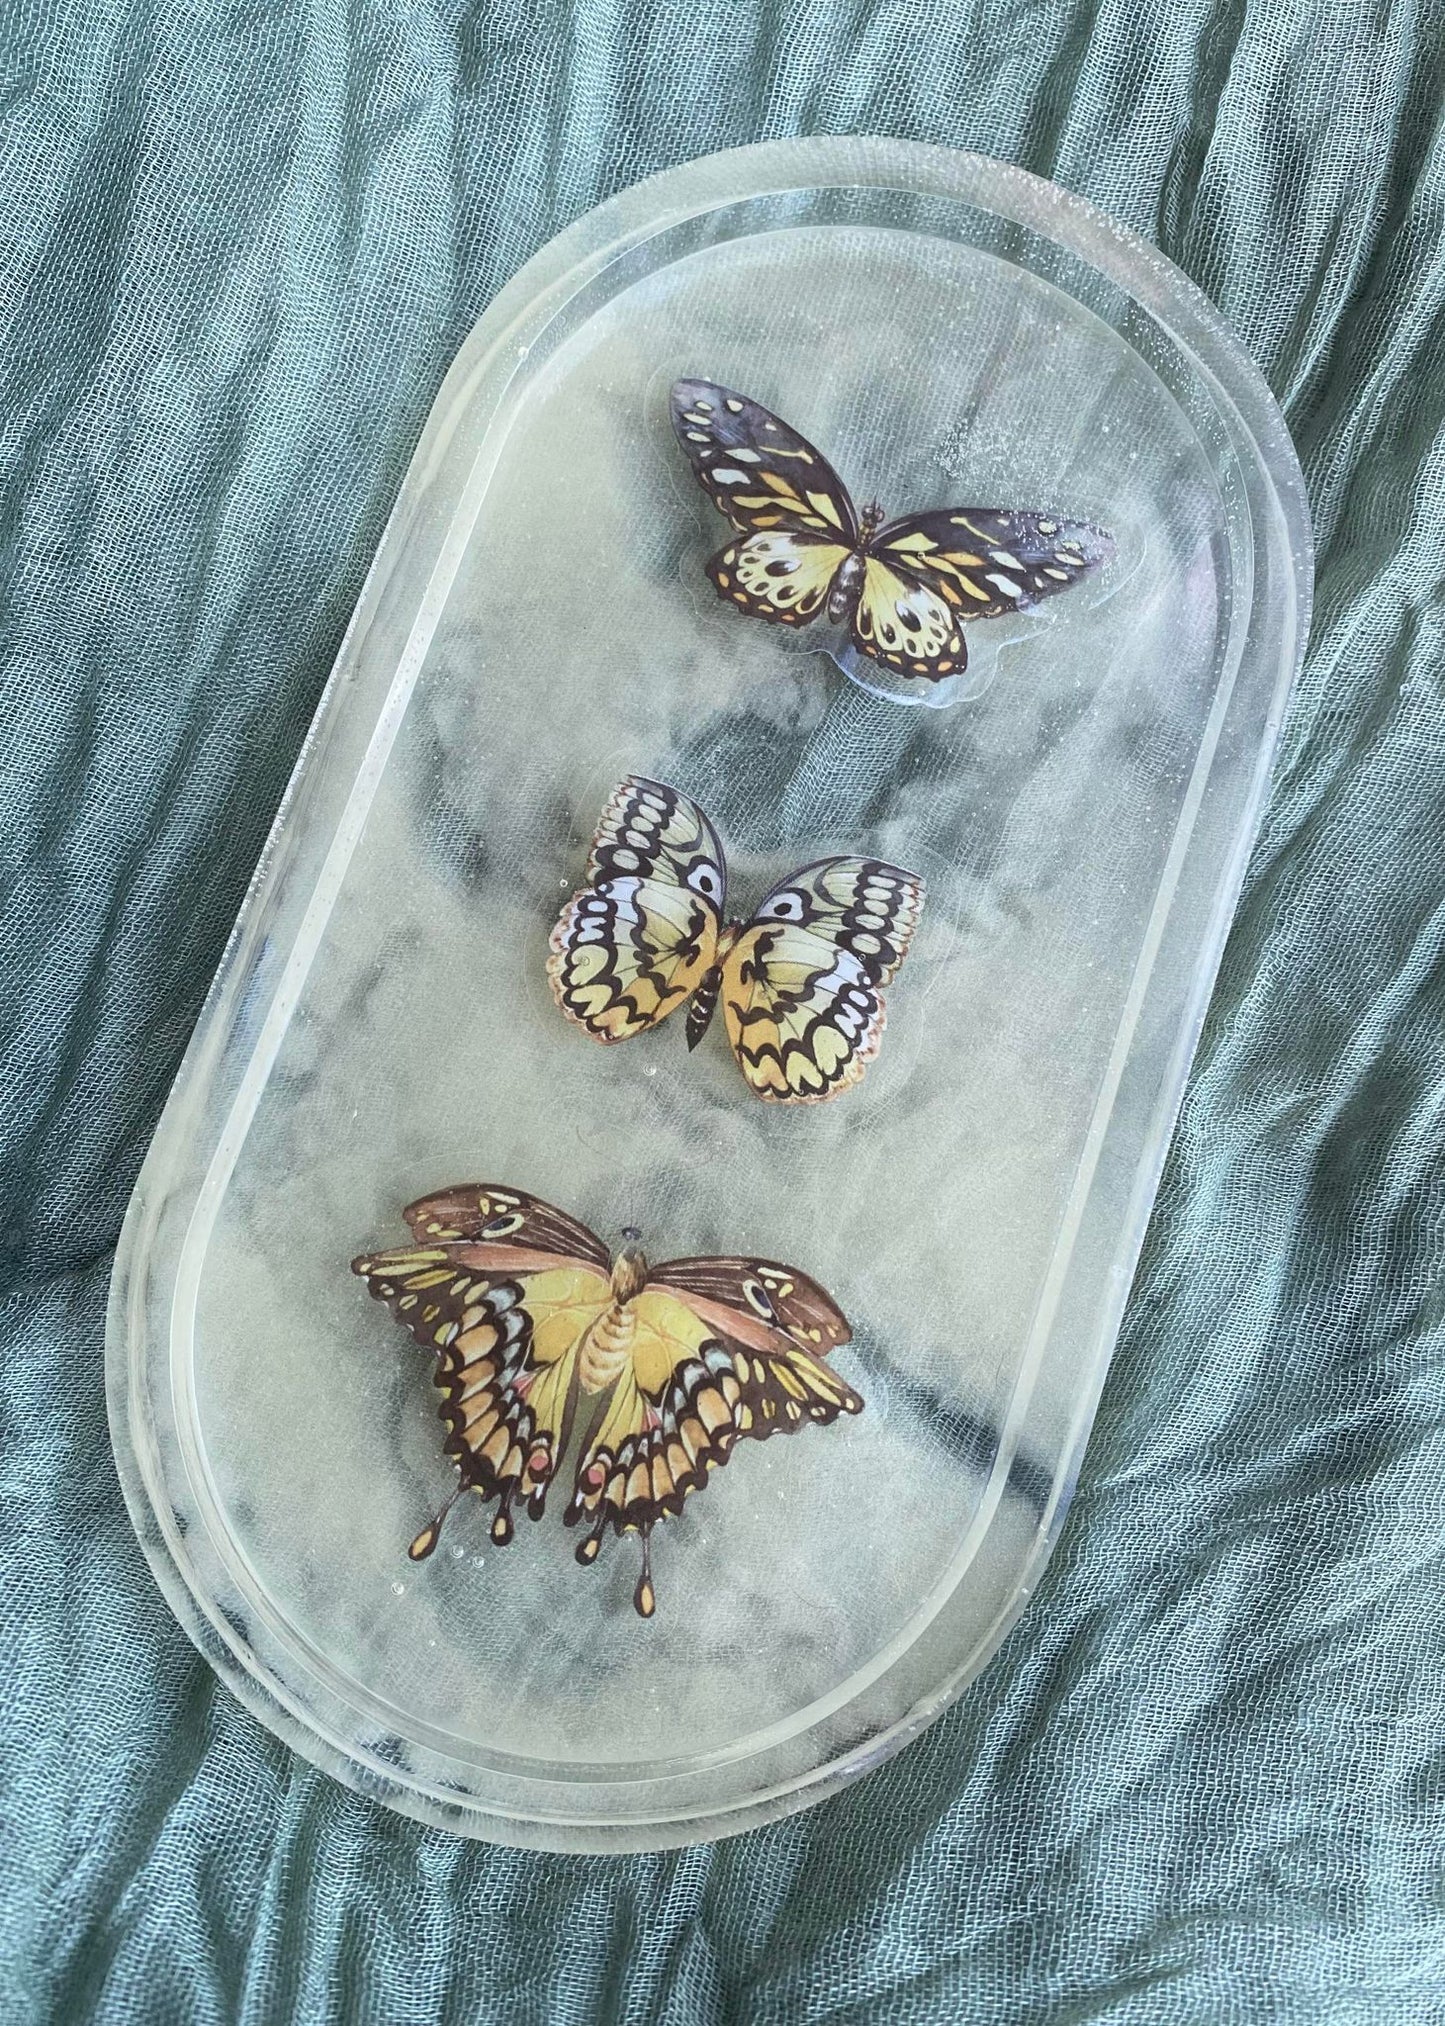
[904, 587]
[703, 1003]
[608, 1342]
[537, 1329]
[800, 984]
[848, 580]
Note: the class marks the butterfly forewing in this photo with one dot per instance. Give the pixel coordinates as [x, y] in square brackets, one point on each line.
[802, 986]
[637, 940]
[755, 1298]
[985, 561]
[651, 830]
[485, 1214]
[757, 470]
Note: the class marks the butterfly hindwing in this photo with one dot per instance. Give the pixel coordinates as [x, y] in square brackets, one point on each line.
[778, 574]
[755, 469]
[986, 561]
[662, 1428]
[902, 621]
[636, 941]
[507, 1384]
[706, 1369]
[802, 987]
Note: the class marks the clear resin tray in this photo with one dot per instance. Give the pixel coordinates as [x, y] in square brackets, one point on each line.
[538, 625]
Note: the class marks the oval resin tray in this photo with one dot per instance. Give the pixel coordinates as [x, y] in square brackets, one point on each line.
[538, 626]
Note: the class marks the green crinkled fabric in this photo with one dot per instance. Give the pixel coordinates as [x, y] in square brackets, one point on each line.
[1205, 1778]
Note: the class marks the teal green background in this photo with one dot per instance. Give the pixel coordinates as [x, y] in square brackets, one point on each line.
[1205, 1778]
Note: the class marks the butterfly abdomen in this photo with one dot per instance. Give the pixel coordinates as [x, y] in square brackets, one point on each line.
[705, 998]
[606, 1348]
[845, 587]
[704, 1005]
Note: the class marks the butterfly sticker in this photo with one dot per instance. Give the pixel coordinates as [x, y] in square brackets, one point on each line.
[904, 588]
[801, 984]
[539, 1332]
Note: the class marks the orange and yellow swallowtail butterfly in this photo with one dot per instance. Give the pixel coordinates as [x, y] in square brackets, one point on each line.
[538, 1331]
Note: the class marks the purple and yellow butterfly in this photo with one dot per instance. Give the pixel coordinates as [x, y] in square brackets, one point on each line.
[539, 1331]
[905, 587]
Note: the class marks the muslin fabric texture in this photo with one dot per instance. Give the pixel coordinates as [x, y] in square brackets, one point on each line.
[1205, 1777]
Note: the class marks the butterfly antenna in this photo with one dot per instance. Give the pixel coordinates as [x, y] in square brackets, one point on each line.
[426, 1540]
[644, 1597]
